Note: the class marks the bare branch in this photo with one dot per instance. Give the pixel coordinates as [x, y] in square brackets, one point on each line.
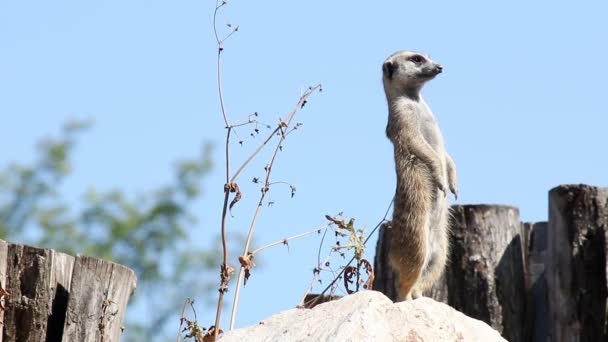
[257, 150]
[231, 185]
[220, 48]
[225, 270]
[336, 278]
[285, 241]
[182, 319]
[283, 124]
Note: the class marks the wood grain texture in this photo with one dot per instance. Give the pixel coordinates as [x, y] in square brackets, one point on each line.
[576, 271]
[485, 276]
[46, 288]
[98, 297]
[536, 254]
[3, 280]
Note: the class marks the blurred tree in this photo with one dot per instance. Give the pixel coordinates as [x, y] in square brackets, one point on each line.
[147, 232]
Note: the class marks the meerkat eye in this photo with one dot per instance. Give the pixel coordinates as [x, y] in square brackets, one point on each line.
[417, 59]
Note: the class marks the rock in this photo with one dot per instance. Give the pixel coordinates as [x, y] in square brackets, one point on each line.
[369, 316]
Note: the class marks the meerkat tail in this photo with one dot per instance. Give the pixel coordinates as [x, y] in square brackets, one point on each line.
[411, 219]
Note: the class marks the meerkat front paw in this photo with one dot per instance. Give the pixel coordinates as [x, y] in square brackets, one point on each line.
[452, 178]
[453, 188]
[440, 183]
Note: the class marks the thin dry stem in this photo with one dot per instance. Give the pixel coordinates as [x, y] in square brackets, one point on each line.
[182, 319]
[287, 122]
[220, 48]
[285, 241]
[282, 124]
[337, 277]
[257, 150]
[237, 291]
[315, 278]
[224, 269]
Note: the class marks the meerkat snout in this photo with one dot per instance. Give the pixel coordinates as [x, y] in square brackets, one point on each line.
[435, 69]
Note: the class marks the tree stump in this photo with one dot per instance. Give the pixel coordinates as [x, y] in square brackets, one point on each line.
[537, 320]
[52, 296]
[485, 275]
[576, 267]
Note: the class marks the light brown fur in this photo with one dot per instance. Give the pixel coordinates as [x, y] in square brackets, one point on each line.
[419, 245]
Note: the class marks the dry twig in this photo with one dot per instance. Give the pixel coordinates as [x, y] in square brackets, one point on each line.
[314, 301]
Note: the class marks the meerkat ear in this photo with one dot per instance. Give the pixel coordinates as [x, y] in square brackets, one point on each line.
[388, 68]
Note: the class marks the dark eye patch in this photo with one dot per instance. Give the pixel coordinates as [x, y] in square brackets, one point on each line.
[417, 59]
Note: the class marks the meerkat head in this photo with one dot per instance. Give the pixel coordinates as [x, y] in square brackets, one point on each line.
[407, 71]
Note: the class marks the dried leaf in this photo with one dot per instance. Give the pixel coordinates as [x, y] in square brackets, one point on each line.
[369, 270]
[349, 273]
[247, 264]
[233, 187]
[210, 335]
[339, 223]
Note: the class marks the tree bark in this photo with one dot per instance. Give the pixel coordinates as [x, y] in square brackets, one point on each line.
[52, 296]
[536, 240]
[576, 268]
[485, 276]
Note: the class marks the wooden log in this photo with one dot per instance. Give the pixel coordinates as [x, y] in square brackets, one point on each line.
[36, 280]
[52, 296]
[576, 268]
[485, 276]
[536, 322]
[98, 297]
[3, 285]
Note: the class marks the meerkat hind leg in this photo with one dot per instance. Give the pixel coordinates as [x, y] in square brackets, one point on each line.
[410, 265]
[438, 246]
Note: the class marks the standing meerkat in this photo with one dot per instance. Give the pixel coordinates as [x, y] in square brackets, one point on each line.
[419, 245]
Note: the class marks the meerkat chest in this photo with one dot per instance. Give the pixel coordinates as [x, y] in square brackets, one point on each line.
[428, 127]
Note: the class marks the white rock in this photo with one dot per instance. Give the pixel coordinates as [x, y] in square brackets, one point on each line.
[369, 316]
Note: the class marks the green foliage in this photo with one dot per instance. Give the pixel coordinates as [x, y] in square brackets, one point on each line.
[147, 232]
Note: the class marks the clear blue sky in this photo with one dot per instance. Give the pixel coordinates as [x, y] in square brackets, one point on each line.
[521, 102]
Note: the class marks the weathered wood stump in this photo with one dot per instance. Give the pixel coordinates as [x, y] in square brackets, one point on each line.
[576, 267]
[537, 321]
[485, 276]
[52, 296]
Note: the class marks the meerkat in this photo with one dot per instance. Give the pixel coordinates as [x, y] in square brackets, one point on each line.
[419, 246]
